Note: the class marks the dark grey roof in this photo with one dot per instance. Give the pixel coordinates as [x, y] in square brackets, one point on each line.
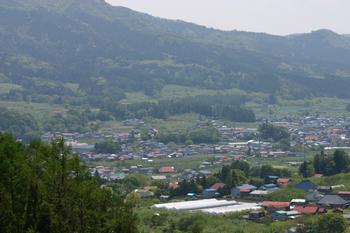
[332, 200]
[314, 196]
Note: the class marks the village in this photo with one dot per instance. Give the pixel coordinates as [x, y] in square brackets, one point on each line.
[158, 162]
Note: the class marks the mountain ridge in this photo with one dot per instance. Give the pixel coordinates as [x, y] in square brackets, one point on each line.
[106, 49]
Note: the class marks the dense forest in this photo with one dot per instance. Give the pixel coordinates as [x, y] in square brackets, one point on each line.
[45, 188]
[219, 106]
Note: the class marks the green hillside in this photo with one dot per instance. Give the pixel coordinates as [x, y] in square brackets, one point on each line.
[107, 51]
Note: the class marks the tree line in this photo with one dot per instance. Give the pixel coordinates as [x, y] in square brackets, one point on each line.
[199, 135]
[229, 107]
[326, 164]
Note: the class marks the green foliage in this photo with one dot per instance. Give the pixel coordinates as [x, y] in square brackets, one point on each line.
[331, 164]
[228, 107]
[198, 135]
[107, 147]
[74, 64]
[267, 170]
[306, 169]
[71, 121]
[185, 187]
[234, 175]
[23, 126]
[206, 135]
[287, 194]
[330, 222]
[241, 165]
[44, 188]
[269, 131]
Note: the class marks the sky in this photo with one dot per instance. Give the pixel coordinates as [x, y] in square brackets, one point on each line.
[279, 17]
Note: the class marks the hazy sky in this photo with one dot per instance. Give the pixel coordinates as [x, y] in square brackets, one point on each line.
[271, 16]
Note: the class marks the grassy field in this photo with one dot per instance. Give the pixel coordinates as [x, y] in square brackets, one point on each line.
[177, 91]
[174, 123]
[191, 162]
[181, 221]
[323, 106]
[282, 162]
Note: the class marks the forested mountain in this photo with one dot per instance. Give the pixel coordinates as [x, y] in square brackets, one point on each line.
[89, 52]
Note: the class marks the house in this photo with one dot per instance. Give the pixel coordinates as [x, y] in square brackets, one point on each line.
[284, 215]
[217, 186]
[344, 194]
[310, 209]
[210, 193]
[306, 185]
[314, 196]
[269, 187]
[242, 190]
[283, 182]
[272, 206]
[167, 169]
[258, 194]
[255, 215]
[333, 201]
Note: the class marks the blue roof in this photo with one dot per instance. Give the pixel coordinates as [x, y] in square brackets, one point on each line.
[270, 185]
[210, 190]
[273, 177]
[306, 185]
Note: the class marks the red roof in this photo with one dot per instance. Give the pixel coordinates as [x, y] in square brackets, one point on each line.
[344, 193]
[275, 204]
[167, 169]
[309, 209]
[245, 190]
[283, 180]
[217, 186]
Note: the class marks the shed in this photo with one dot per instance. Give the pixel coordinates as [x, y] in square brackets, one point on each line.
[210, 193]
[324, 189]
[283, 182]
